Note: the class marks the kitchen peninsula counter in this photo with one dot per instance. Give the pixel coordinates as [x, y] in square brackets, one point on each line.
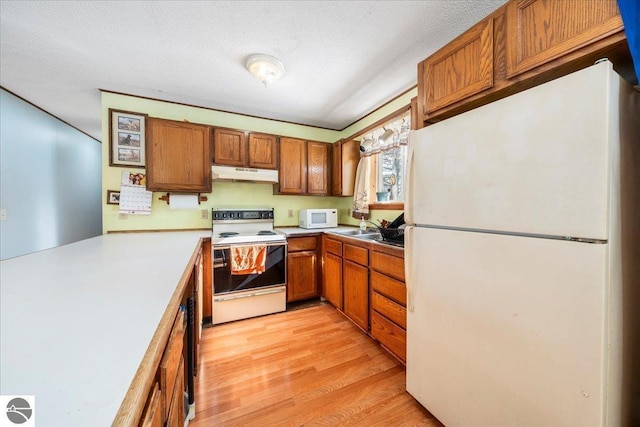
[77, 320]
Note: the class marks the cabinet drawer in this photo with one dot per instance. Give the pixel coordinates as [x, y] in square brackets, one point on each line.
[388, 264]
[333, 246]
[392, 310]
[356, 254]
[152, 415]
[389, 287]
[297, 244]
[390, 335]
[169, 366]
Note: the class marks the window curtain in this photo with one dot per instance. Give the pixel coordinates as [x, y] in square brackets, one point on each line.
[361, 189]
[389, 136]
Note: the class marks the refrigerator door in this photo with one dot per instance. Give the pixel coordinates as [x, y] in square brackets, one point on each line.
[535, 162]
[507, 330]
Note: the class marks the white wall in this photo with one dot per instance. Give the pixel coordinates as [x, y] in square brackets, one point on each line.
[50, 180]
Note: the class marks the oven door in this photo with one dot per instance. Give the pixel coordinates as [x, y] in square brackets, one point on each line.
[275, 273]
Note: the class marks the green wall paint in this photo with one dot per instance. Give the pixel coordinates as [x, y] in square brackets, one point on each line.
[225, 193]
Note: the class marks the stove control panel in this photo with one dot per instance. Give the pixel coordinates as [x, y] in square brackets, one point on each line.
[236, 214]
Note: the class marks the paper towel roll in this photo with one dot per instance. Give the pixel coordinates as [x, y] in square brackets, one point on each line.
[183, 201]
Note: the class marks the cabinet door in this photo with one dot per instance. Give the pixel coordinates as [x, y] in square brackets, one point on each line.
[178, 156]
[356, 293]
[152, 415]
[336, 169]
[349, 164]
[263, 151]
[317, 168]
[332, 279]
[302, 275]
[230, 147]
[293, 166]
[462, 68]
[539, 31]
[176, 409]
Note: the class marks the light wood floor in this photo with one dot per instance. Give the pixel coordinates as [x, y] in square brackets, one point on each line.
[304, 367]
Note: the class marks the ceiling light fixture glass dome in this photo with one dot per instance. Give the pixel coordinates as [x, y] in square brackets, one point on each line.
[265, 68]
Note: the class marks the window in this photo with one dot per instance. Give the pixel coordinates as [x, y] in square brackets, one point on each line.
[390, 176]
[388, 147]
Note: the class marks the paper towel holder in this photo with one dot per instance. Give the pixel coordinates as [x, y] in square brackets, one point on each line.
[168, 195]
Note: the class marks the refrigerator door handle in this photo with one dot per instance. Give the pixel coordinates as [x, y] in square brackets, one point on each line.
[408, 266]
[408, 198]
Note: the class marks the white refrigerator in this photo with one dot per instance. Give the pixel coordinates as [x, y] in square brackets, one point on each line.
[523, 258]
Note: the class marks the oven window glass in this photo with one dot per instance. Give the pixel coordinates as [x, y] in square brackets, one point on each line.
[319, 218]
[224, 281]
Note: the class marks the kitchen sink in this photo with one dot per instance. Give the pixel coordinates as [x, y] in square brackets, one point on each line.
[359, 233]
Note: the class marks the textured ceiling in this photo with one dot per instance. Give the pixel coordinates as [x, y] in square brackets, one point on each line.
[343, 59]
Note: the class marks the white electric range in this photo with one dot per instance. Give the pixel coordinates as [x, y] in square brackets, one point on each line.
[239, 294]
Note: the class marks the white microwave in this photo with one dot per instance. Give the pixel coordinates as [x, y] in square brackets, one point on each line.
[318, 218]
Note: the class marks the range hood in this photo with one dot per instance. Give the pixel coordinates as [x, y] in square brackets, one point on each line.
[232, 173]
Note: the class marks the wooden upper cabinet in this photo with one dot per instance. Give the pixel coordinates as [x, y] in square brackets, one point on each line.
[344, 162]
[317, 168]
[230, 147]
[539, 31]
[350, 158]
[520, 45]
[178, 156]
[293, 166]
[462, 68]
[336, 169]
[263, 151]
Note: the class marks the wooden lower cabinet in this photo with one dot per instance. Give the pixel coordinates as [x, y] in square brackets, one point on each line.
[176, 414]
[388, 302]
[152, 415]
[332, 279]
[302, 268]
[392, 336]
[355, 281]
[365, 281]
[171, 365]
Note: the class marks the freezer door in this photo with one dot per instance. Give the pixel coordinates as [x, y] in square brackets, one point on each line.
[506, 330]
[535, 162]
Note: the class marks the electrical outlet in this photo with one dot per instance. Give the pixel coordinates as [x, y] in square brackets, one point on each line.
[290, 213]
[204, 214]
[122, 216]
[3, 214]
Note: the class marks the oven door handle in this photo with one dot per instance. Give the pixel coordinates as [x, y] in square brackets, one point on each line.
[253, 294]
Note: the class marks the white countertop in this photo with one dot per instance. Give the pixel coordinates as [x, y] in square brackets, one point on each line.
[292, 231]
[75, 321]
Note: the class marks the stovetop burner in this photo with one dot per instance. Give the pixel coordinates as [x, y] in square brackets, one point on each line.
[266, 233]
[228, 234]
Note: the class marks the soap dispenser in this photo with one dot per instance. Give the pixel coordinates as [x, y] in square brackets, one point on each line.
[363, 225]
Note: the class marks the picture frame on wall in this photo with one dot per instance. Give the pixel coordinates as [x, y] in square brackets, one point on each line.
[127, 131]
[113, 197]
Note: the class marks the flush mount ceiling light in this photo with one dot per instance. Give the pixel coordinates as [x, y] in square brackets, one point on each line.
[265, 68]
